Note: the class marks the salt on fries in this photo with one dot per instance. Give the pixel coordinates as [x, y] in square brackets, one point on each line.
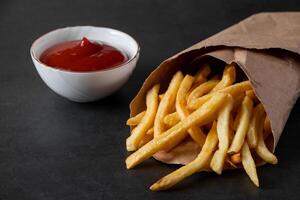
[224, 117]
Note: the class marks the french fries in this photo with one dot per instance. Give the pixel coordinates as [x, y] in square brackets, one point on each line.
[223, 117]
[201, 116]
[191, 168]
[227, 79]
[242, 127]
[171, 119]
[256, 125]
[194, 131]
[201, 75]
[236, 158]
[137, 134]
[233, 90]
[133, 121]
[263, 151]
[251, 94]
[147, 138]
[223, 132]
[166, 103]
[249, 164]
[202, 89]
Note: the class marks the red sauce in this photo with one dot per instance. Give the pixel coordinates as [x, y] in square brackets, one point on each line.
[82, 56]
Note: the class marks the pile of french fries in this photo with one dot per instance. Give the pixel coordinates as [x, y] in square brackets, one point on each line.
[222, 116]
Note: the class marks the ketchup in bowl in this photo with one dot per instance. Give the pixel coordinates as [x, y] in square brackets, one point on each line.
[82, 56]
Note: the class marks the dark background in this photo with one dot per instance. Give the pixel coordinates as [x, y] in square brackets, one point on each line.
[51, 148]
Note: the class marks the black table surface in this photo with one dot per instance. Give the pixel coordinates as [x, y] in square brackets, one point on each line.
[52, 148]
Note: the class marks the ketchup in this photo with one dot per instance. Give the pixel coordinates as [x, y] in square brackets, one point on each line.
[82, 56]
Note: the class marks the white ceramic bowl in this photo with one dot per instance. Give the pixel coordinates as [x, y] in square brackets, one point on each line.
[86, 86]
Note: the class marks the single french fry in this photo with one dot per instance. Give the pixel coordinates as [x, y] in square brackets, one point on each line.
[195, 166]
[245, 116]
[166, 103]
[236, 158]
[172, 119]
[194, 131]
[138, 132]
[134, 121]
[147, 138]
[202, 73]
[205, 114]
[249, 164]
[201, 90]
[262, 151]
[223, 131]
[233, 90]
[256, 125]
[228, 78]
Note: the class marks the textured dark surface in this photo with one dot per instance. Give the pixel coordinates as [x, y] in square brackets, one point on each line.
[51, 148]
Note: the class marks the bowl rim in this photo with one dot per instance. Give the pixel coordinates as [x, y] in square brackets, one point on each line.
[136, 54]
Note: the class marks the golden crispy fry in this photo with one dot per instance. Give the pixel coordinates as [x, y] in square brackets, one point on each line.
[263, 151]
[166, 103]
[233, 90]
[138, 132]
[249, 164]
[191, 104]
[201, 75]
[201, 116]
[223, 131]
[194, 131]
[195, 166]
[236, 158]
[245, 116]
[256, 125]
[228, 78]
[147, 137]
[172, 119]
[133, 121]
[202, 89]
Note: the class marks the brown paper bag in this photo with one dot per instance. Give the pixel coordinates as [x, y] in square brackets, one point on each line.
[266, 46]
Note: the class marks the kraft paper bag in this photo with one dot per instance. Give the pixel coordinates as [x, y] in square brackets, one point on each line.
[265, 46]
